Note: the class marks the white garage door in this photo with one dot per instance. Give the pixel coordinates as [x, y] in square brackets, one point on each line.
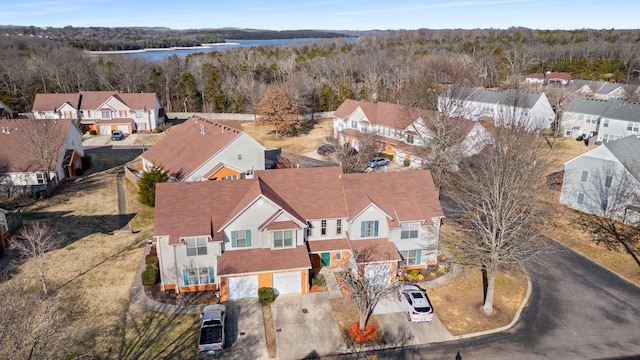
[243, 287]
[123, 128]
[287, 283]
[379, 274]
[105, 130]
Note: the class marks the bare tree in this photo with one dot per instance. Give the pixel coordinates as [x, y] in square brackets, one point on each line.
[366, 283]
[353, 157]
[495, 192]
[44, 139]
[559, 97]
[33, 242]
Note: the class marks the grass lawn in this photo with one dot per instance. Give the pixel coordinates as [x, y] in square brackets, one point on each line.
[309, 140]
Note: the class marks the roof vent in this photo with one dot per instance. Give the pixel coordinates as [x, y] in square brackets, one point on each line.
[201, 129]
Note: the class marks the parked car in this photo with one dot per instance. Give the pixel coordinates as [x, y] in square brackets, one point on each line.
[117, 135]
[416, 302]
[378, 161]
[325, 149]
[211, 339]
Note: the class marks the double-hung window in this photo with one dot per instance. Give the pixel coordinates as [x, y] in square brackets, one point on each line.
[580, 199]
[323, 227]
[603, 204]
[605, 123]
[283, 239]
[196, 246]
[607, 181]
[198, 276]
[339, 226]
[41, 178]
[106, 114]
[240, 238]
[584, 176]
[409, 138]
[410, 257]
[409, 230]
[369, 228]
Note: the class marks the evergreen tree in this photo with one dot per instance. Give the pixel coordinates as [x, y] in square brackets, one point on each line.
[147, 185]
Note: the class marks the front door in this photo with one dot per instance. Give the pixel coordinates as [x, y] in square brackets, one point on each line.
[325, 259]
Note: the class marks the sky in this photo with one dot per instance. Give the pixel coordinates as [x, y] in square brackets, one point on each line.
[325, 14]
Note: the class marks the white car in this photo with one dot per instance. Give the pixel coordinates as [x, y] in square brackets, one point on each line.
[416, 302]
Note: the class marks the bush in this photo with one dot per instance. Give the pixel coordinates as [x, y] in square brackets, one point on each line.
[93, 132]
[147, 185]
[149, 276]
[318, 280]
[406, 162]
[413, 272]
[152, 261]
[266, 295]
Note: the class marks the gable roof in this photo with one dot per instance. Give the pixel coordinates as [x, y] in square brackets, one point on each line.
[582, 105]
[14, 151]
[189, 145]
[508, 97]
[608, 88]
[91, 100]
[623, 110]
[406, 196]
[52, 102]
[199, 208]
[627, 151]
[385, 114]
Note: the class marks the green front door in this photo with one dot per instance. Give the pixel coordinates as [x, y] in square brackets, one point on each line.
[325, 259]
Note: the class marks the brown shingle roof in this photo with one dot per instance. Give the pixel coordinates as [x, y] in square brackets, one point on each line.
[51, 102]
[14, 151]
[386, 114]
[186, 148]
[406, 196]
[374, 250]
[91, 100]
[328, 245]
[261, 260]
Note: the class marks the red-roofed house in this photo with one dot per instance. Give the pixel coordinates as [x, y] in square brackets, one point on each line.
[271, 230]
[401, 132]
[102, 111]
[19, 172]
[201, 149]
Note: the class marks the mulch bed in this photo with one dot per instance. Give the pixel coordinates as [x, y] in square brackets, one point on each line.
[186, 299]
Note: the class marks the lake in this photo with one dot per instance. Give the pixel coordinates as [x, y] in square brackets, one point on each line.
[160, 54]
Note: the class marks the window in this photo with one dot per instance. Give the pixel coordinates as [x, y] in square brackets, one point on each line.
[607, 181]
[106, 114]
[580, 199]
[339, 226]
[409, 230]
[240, 238]
[283, 239]
[323, 227]
[196, 246]
[239, 156]
[88, 113]
[41, 178]
[410, 257]
[605, 123]
[409, 138]
[309, 227]
[230, 177]
[585, 176]
[338, 255]
[198, 276]
[580, 116]
[603, 204]
[629, 126]
[138, 113]
[427, 140]
[354, 124]
[368, 228]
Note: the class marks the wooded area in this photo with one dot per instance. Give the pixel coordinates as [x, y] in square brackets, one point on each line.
[391, 66]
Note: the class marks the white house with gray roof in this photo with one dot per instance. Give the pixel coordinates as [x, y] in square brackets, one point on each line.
[605, 180]
[608, 119]
[602, 90]
[502, 106]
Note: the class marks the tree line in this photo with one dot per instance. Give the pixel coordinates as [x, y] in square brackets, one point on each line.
[391, 66]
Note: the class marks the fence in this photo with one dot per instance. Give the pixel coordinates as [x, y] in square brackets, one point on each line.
[239, 117]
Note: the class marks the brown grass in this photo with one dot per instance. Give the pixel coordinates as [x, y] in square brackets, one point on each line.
[459, 304]
[269, 331]
[346, 315]
[309, 141]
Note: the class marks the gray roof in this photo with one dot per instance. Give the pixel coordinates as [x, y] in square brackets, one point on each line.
[594, 85]
[627, 151]
[582, 105]
[510, 97]
[608, 88]
[623, 110]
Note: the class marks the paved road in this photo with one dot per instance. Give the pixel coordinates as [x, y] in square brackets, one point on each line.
[577, 310]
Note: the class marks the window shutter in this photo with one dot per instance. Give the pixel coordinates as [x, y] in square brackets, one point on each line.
[233, 239]
[375, 228]
[418, 253]
[211, 278]
[362, 228]
[248, 237]
[185, 273]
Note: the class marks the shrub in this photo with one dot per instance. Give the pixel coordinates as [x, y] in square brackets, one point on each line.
[318, 281]
[147, 185]
[413, 272]
[406, 162]
[149, 276]
[152, 261]
[266, 295]
[420, 277]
